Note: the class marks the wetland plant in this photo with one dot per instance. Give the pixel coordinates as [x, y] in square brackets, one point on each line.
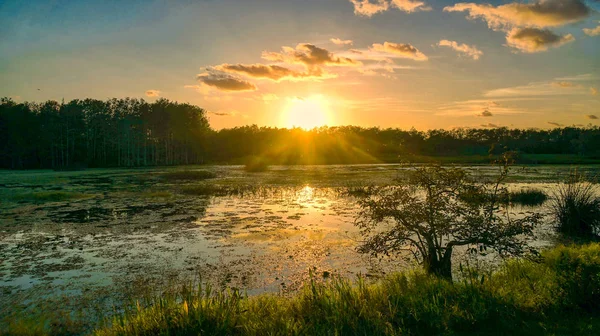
[576, 207]
[528, 197]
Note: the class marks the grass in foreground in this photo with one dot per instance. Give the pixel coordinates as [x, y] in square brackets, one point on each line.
[559, 295]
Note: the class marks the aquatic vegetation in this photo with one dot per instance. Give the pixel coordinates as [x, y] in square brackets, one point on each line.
[528, 197]
[556, 295]
[188, 175]
[49, 196]
[576, 206]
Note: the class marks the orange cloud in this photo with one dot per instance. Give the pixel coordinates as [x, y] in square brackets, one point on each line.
[308, 55]
[401, 50]
[470, 51]
[273, 72]
[372, 7]
[341, 42]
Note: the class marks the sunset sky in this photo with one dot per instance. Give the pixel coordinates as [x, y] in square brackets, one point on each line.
[389, 63]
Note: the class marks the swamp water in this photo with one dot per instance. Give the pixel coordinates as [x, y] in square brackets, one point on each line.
[83, 242]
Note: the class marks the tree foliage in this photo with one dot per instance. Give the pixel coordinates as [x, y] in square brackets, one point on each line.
[438, 209]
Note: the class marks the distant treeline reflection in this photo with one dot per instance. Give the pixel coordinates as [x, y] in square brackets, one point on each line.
[135, 133]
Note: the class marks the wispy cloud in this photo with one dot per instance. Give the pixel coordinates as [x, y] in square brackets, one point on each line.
[152, 93]
[223, 82]
[402, 50]
[538, 89]
[462, 48]
[592, 31]
[477, 107]
[592, 116]
[341, 42]
[552, 123]
[274, 72]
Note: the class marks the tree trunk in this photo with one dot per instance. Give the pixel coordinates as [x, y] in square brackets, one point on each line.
[441, 267]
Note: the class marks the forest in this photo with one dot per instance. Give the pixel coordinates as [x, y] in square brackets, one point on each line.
[134, 133]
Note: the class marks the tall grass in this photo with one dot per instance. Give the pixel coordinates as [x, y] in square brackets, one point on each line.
[557, 295]
[576, 206]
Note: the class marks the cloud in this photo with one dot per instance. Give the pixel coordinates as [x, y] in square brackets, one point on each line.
[400, 49]
[485, 113]
[579, 78]
[273, 72]
[539, 89]
[532, 40]
[152, 93]
[555, 124]
[410, 6]
[470, 51]
[269, 97]
[341, 42]
[539, 13]
[592, 31]
[308, 55]
[368, 8]
[563, 84]
[372, 7]
[478, 107]
[223, 113]
[592, 116]
[593, 91]
[490, 125]
[225, 82]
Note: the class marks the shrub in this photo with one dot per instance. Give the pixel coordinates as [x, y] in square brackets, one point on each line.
[529, 197]
[576, 207]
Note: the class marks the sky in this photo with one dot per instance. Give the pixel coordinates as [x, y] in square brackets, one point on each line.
[387, 63]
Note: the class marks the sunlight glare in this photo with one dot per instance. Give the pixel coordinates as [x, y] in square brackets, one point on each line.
[307, 113]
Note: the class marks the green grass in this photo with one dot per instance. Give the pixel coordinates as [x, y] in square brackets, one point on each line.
[559, 295]
[188, 175]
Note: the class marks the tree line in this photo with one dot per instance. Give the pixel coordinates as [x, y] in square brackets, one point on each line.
[95, 133]
[135, 133]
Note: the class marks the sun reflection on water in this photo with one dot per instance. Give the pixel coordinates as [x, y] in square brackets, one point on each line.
[305, 195]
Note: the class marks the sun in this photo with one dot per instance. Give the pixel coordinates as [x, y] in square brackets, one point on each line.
[307, 113]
